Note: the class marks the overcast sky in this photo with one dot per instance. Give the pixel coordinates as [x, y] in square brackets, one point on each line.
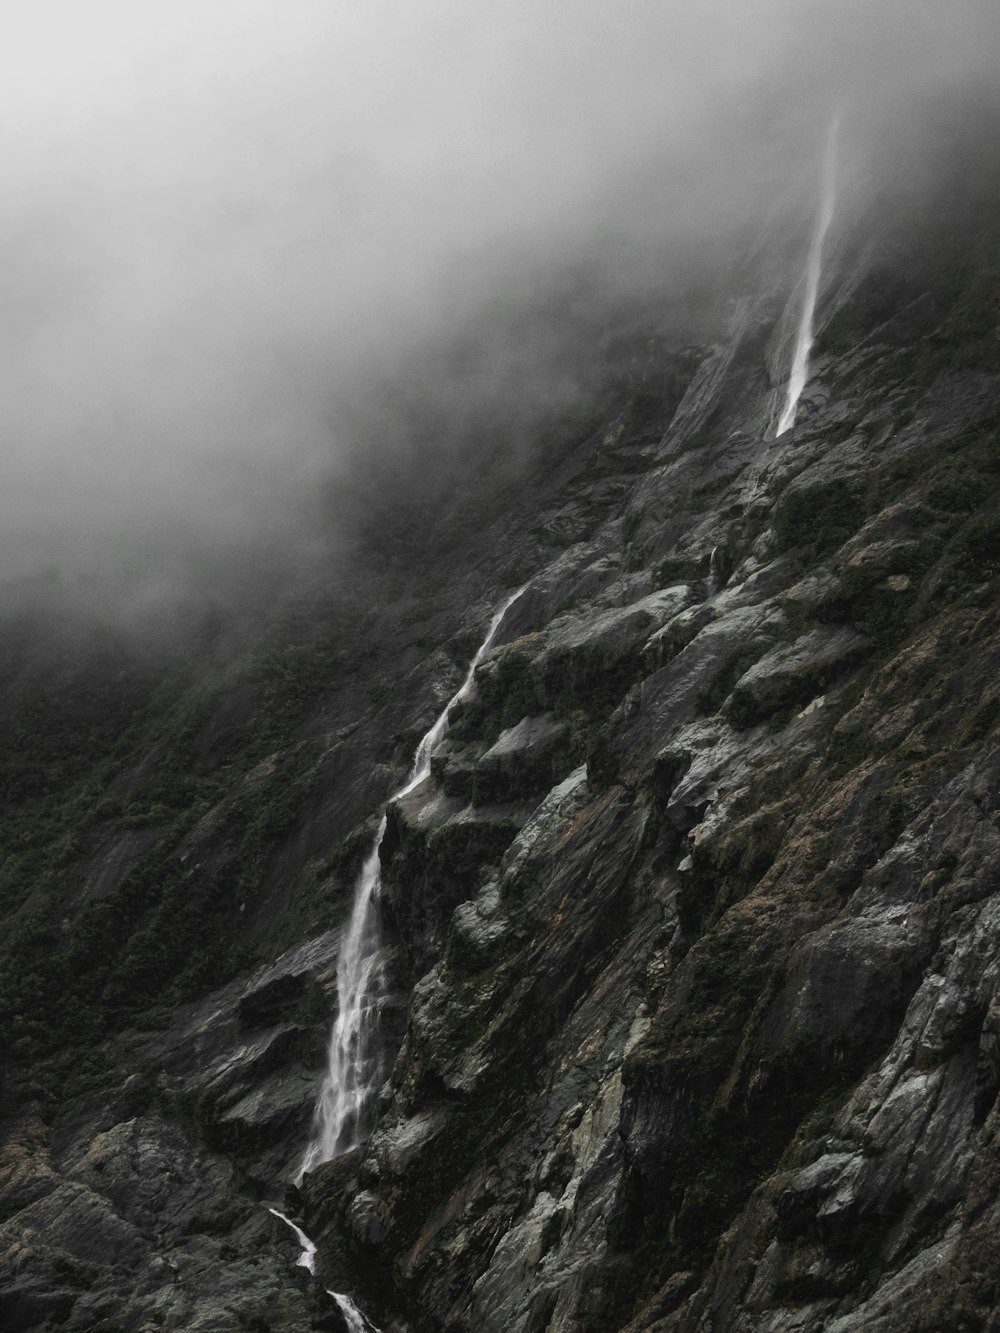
[219, 218]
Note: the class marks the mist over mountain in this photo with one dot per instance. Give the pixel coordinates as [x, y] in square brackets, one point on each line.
[228, 230]
[499, 659]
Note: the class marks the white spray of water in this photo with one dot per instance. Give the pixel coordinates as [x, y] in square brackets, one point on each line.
[814, 268]
[353, 1318]
[307, 1259]
[354, 1064]
[354, 1060]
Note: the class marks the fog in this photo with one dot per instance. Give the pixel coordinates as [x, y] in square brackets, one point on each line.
[226, 226]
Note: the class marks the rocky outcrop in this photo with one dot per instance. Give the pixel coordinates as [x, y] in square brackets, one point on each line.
[133, 1215]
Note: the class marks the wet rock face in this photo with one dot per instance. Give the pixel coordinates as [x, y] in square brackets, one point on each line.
[523, 760]
[131, 1227]
[132, 1215]
[705, 1033]
[693, 925]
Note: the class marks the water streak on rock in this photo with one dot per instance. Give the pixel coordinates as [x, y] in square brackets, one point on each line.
[355, 1065]
[814, 269]
[353, 1318]
[307, 1259]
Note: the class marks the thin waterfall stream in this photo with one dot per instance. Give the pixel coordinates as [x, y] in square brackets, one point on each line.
[814, 269]
[354, 1061]
[353, 1318]
[355, 1064]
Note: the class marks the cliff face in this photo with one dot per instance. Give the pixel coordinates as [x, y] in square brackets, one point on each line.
[700, 893]
[692, 929]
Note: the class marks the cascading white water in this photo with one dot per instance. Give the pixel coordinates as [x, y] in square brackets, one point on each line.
[814, 268]
[354, 1064]
[353, 1318]
[307, 1259]
[354, 1060]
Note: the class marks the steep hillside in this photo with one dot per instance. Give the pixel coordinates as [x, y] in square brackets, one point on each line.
[691, 931]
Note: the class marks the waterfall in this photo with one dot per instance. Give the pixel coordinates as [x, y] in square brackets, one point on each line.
[354, 1059]
[307, 1259]
[814, 268]
[353, 1318]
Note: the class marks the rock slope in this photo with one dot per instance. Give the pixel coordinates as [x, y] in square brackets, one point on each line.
[692, 927]
[699, 900]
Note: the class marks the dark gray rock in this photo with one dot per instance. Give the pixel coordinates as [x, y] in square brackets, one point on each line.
[523, 759]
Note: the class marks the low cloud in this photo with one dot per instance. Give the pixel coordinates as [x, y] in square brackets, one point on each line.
[225, 227]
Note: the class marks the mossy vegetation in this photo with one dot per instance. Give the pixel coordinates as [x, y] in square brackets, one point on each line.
[819, 515]
[137, 833]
